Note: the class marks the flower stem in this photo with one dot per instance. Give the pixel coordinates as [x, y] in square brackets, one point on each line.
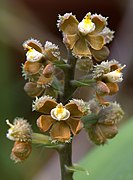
[65, 154]
[69, 76]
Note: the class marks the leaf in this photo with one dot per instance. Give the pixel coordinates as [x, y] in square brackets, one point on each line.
[61, 64]
[113, 161]
[80, 83]
[56, 84]
[77, 168]
[89, 120]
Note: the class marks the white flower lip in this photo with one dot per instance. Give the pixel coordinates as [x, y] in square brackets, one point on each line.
[60, 113]
[86, 25]
[32, 55]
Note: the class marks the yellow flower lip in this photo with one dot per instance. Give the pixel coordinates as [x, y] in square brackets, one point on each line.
[86, 25]
[33, 55]
[121, 68]
[60, 113]
[115, 76]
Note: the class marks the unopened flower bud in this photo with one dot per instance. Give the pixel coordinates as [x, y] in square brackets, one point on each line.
[96, 135]
[102, 89]
[21, 151]
[48, 70]
[32, 89]
[99, 133]
[108, 131]
[20, 130]
[111, 114]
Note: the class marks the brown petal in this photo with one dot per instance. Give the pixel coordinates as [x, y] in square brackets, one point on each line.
[96, 42]
[81, 48]
[75, 125]
[32, 67]
[99, 25]
[60, 131]
[74, 109]
[101, 54]
[69, 25]
[70, 40]
[44, 122]
[46, 106]
[113, 87]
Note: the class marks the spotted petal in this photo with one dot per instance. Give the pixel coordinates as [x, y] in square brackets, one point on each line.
[60, 131]
[44, 122]
[75, 125]
[96, 42]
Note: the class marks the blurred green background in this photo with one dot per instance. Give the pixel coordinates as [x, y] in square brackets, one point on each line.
[23, 19]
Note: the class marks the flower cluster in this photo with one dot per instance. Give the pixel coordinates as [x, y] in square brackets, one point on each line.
[20, 132]
[106, 125]
[107, 75]
[63, 116]
[38, 67]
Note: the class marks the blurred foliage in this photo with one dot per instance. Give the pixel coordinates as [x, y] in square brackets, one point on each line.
[112, 161]
[14, 102]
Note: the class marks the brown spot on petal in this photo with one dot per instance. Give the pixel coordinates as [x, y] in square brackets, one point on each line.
[75, 125]
[60, 131]
[74, 109]
[44, 122]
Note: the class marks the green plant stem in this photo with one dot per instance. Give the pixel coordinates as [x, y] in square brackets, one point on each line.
[65, 154]
[69, 76]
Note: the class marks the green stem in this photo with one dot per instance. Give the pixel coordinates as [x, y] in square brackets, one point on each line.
[69, 75]
[65, 154]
